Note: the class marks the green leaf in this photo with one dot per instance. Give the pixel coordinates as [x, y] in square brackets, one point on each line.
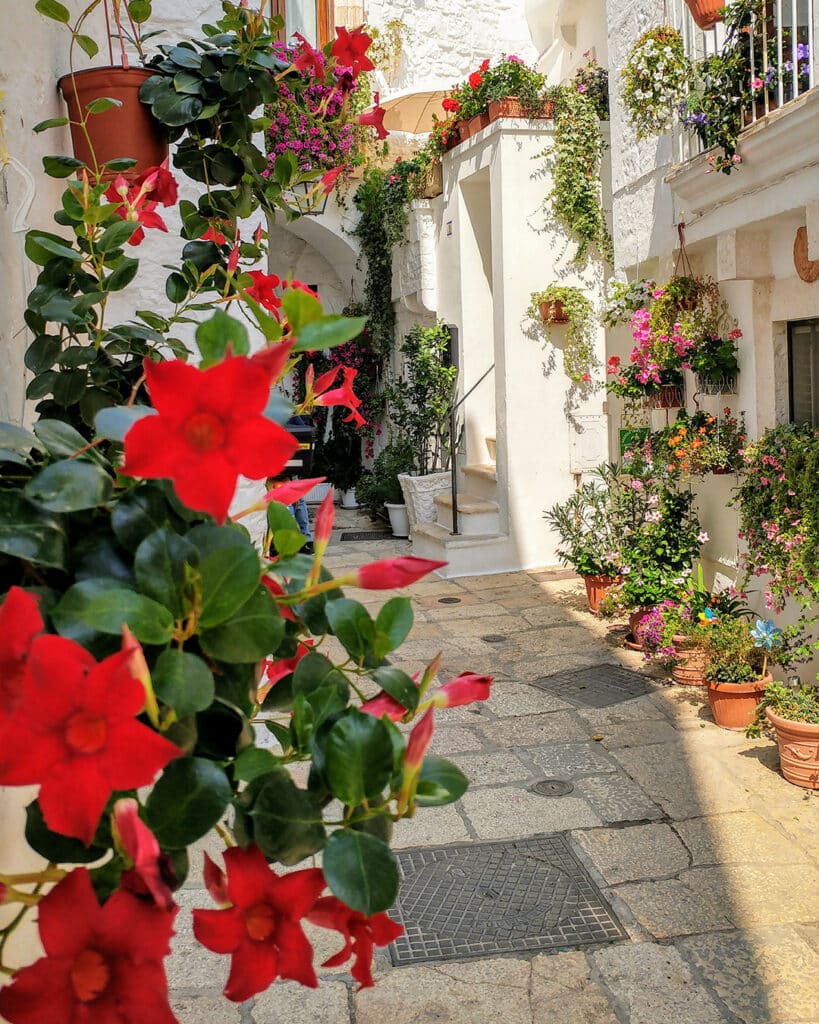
[252, 633]
[358, 757]
[120, 163]
[185, 57]
[60, 849]
[70, 485]
[252, 762]
[314, 672]
[60, 166]
[286, 820]
[175, 109]
[115, 236]
[140, 11]
[105, 605]
[42, 353]
[328, 332]
[351, 623]
[53, 9]
[229, 578]
[160, 569]
[187, 800]
[284, 168]
[207, 538]
[115, 421]
[301, 309]
[102, 103]
[52, 122]
[361, 871]
[28, 533]
[214, 336]
[87, 45]
[138, 514]
[16, 439]
[188, 84]
[183, 681]
[41, 246]
[392, 625]
[60, 438]
[398, 685]
[441, 782]
[176, 287]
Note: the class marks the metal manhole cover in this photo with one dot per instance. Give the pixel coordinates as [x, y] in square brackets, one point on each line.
[552, 787]
[494, 638]
[597, 686]
[483, 899]
[366, 535]
[449, 600]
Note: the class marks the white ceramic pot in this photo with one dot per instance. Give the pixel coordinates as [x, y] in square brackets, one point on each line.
[420, 492]
[348, 498]
[317, 494]
[399, 520]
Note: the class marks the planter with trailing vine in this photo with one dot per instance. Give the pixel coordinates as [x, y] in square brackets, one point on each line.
[566, 305]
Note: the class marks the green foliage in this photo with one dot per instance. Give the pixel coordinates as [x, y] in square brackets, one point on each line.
[380, 227]
[654, 79]
[380, 484]
[732, 657]
[578, 351]
[799, 704]
[588, 526]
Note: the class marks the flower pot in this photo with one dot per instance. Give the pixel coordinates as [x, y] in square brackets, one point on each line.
[553, 312]
[477, 123]
[690, 667]
[398, 519]
[705, 12]
[420, 493]
[734, 704]
[348, 498]
[798, 750]
[596, 587]
[510, 106]
[670, 396]
[634, 624]
[453, 137]
[126, 131]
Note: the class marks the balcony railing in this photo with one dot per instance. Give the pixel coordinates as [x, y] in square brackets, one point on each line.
[782, 60]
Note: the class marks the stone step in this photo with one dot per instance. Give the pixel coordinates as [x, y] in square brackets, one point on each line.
[481, 479]
[465, 554]
[492, 447]
[477, 516]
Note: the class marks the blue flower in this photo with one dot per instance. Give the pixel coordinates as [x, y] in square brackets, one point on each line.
[766, 634]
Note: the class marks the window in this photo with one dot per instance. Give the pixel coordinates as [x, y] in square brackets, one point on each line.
[803, 364]
[316, 19]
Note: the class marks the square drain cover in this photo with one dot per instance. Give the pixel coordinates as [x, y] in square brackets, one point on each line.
[482, 899]
[597, 686]
[365, 535]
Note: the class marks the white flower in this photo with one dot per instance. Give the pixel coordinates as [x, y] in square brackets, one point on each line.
[702, 537]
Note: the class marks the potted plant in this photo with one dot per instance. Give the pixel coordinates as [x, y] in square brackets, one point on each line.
[706, 13]
[737, 668]
[701, 443]
[655, 79]
[564, 304]
[623, 299]
[793, 714]
[592, 82]
[379, 490]
[589, 536]
[340, 459]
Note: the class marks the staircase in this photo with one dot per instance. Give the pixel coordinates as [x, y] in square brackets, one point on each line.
[479, 547]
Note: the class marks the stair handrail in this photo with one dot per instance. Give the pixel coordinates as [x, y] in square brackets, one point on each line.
[453, 469]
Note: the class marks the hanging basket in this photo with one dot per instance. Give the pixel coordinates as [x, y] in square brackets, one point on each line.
[705, 12]
[129, 130]
[553, 312]
[724, 385]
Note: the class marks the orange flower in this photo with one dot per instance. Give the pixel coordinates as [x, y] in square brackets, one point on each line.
[696, 444]
[679, 453]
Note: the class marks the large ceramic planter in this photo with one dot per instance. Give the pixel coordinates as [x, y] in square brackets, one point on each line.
[596, 588]
[420, 493]
[798, 750]
[348, 498]
[705, 12]
[129, 130]
[690, 667]
[734, 704]
[398, 519]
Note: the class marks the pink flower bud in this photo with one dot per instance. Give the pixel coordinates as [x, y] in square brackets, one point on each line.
[395, 572]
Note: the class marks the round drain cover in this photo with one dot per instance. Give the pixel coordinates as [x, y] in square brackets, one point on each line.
[552, 787]
[449, 600]
[494, 638]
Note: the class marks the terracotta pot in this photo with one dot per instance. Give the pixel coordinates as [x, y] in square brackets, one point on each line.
[734, 704]
[690, 669]
[596, 587]
[126, 131]
[634, 621]
[454, 137]
[798, 750]
[705, 12]
[556, 315]
[477, 124]
[670, 396]
[510, 107]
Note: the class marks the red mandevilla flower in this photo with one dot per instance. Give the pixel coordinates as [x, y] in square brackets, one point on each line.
[262, 929]
[103, 965]
[464, 689]
[375, 118]
[275, 671]
[350, 49]
[20, 622]
[82, 738]
[210, 429]
[133, 203]
[307, 59]
[361, 935]
[395, 572]
[151, 871]
[263, 290]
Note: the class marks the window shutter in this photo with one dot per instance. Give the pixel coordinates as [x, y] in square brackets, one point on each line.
[804, 362]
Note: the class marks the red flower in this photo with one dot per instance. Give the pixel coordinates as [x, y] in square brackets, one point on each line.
[384, 704]
[350, 49]
[151, 871]
[261, 930]
[342, 395]
[212, 235]
[475, 79]
[82, 738]
[275, 671]
[361, 934]
[308, 58]
[277, 590]
[417, 746]
[586, 378]
[464, 689]
[450, 104]
[233, 258]
[103, 965]
[210, 429]
[395, 572]
[289, 491]
[323, 526]
[328, 181]
[161, 183]
[375, 118]
[20, 622]
[133, 203]
[485, 65]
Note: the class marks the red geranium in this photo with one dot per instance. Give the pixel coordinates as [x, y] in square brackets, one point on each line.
[475, 79]
[263, 290]
[350, 49]
[262, 929]
[449, 103]
[210, 429]
[361, 935]
[103, 965]
[82, 738]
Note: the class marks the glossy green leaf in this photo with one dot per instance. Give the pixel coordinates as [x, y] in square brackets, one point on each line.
[60, 438]
[207, 538]
[351, 623]
[53, 9]
[60, 849]
[120, 163]
[252, 633]
[361, 871]
[183, 681]
[41, 246]
[286, 820]
[16, 439]
[69, 486]
[215, 334]
[441, 782]
[140, 11]
[229, 577]
[176, 287]
[61, 166]
[138, 514]
[115, 236]
[101, 104]
[398, 685]
[187, 800]
[392, 625]
[51, 122]
[252, 762]
[301, 309]
[160, 567]
[42, 353]
[314, 671]
[104, 605]
[115, 421]
[87, 45]
[328, 332]
[175, 109]
[28, 533]
[358, 757]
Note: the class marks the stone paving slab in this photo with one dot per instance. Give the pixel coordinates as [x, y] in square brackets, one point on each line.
[568, 760]
[486, 769]
[670, 907]
[616, 798]
[742, 838]
[563, 992]
[290, 1003]
[633, 854]
[533, 730]
[755, 895]
[512, 812]
[514, 700]
[206, 1010]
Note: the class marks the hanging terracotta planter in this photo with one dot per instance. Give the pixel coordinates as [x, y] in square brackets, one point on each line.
[553, 312]
[798, 750]
[705, 12]
[734, 704]
[670, 396]
[125, 131]
[596, 589]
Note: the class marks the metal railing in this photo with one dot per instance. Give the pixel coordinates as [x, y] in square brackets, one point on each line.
[783, 61]
[455, 433]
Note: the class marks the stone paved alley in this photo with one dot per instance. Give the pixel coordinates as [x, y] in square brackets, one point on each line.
[707, 857]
